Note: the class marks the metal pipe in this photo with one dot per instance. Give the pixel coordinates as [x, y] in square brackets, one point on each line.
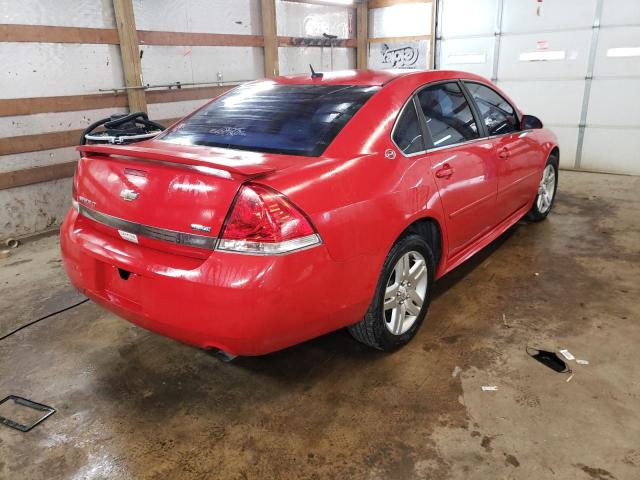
[176, 85]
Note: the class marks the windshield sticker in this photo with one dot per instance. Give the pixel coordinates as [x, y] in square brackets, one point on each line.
[228, 131]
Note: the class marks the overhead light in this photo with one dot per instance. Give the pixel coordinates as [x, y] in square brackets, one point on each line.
[542, 56]
[467, 58]
[624, 52]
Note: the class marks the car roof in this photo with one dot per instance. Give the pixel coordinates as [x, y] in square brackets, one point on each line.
[369, 77]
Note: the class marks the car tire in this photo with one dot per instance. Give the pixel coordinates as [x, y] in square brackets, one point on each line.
[542, 204]
[388, 324]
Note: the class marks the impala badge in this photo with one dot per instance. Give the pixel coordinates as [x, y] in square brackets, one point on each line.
[201, 228]
[129, 195]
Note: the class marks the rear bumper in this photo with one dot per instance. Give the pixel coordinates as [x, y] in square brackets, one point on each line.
[242, 304]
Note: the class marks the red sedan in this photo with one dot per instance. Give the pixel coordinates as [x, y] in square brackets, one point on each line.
[291, 207]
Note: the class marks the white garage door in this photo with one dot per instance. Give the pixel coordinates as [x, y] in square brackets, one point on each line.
[573, 63]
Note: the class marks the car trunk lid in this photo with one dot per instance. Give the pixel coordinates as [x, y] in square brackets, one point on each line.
[173, 199]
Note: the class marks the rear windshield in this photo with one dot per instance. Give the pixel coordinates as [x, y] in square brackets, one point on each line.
[264, 117]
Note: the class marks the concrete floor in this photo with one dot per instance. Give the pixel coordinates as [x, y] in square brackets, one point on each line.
[132, 404]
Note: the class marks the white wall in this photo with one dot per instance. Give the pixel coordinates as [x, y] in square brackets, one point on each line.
[561, 92]
[43, 70]
[400, 20]
[60, 69]
[311, 21]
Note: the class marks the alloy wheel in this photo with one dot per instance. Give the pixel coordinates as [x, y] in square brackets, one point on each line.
[546, 189]
[405, 292]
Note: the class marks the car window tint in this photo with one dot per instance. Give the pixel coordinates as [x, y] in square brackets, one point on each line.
[448, 115]
[267, 117]
[497, 114]
[407, 133]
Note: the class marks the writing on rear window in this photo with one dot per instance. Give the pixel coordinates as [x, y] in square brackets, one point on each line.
[274, 118]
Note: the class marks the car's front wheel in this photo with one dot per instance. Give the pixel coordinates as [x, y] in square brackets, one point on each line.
[402, 296]
[546, 192]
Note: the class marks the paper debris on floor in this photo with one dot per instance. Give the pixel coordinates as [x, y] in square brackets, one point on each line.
[567, 354]
[489, 388]
[456, 371]
[582, 362]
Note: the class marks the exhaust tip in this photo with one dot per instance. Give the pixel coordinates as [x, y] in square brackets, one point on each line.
[223, 356]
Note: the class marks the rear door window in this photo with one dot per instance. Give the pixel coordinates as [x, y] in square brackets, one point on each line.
[448, 114]
[407, 133]
[274, 118]
[497, 114]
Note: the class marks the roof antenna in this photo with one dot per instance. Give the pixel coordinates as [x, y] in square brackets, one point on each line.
[315, 74]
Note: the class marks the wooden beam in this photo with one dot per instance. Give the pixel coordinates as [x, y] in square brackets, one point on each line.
[68, 103]
[147, 37]
[130, 53]
[49, 34]
[327, 3]
[390, 3]
[30, 176]
[362, 35]
[316, 42]
[413, 38]
[270, 34]
[72, 103]
[185, 94]
[50, 140]
[39, 141]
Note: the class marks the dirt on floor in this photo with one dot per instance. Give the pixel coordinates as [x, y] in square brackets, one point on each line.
[132, 404]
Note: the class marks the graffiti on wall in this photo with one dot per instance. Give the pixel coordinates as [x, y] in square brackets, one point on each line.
[403, 57]
[406, 55]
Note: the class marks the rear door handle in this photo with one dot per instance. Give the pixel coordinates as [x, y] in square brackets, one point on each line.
[503, 152]
[445, 171]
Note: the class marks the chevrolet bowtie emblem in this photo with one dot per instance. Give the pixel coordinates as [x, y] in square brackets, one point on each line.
[129, 195]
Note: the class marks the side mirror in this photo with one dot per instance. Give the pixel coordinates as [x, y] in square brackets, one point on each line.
[530, 122]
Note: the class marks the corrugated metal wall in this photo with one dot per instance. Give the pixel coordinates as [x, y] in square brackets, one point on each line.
[557, 59]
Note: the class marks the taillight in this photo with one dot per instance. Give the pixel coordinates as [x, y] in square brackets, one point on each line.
[264, 222]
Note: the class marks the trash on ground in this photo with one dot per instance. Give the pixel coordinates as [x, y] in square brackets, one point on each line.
[570, 377]
[582, 362]
[567, 354]
[549, 359]
[23, 414]
[489, 388]
[456, 371]
[11, 243]
[5, 253]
